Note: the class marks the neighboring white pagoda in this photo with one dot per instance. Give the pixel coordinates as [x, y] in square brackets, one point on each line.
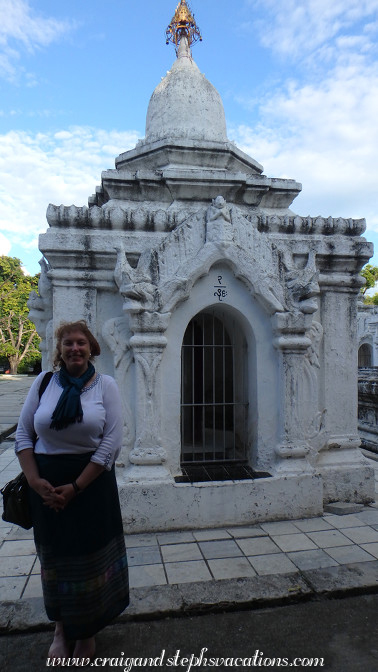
[228, 321]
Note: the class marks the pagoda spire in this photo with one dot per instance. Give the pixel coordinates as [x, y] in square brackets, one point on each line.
[183, 25]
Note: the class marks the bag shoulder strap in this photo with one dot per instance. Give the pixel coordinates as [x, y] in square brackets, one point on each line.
[45, 381]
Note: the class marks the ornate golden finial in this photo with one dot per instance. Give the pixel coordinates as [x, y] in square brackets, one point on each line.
[183, 25]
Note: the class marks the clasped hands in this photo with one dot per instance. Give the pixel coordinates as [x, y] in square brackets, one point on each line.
[55, 498]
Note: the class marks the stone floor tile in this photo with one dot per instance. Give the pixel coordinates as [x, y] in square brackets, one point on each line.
[186, 572]
[13, 470]
[175, 538]
[312, 559]
[137, 540]
[244, 532]
[361, 535]
[36, 567]
[349, 554]
[369, 516]
[13, 462]
[18, 547]
[259, 546]
[294, 542]
[343, 521]
[280, 527]
[278, 563]
[17, 533]
[33, 588]
[211, 535]
[146, 555]
[343, 508]
[231, 568]
[329, 538]
[148, 575]
[371, 548]
[312, 524]
[8, 449]
[16, 565]
[226, 548]
[5, 461]
[11, 587]
[5, 527]
[181, 552]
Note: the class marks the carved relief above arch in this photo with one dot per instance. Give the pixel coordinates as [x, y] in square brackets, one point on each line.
[166, 274]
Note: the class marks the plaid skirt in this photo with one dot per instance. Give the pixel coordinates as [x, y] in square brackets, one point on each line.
[81, 549]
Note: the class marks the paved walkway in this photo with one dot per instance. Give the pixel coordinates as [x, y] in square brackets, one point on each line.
[13, 390]
[174, 571]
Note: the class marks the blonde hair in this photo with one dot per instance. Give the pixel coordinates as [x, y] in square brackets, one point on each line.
[66, 328]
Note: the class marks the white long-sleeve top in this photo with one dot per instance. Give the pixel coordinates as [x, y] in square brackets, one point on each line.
[100, 429]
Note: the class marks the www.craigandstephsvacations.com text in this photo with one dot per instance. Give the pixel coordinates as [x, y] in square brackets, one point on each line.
[188, 662]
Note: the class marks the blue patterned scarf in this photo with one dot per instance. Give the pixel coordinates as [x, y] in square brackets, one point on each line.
[68, 409]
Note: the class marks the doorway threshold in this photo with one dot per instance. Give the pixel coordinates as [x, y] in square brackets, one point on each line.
[202, 473]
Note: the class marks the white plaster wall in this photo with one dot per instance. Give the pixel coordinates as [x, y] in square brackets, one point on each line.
[171, 506]
[73, 301]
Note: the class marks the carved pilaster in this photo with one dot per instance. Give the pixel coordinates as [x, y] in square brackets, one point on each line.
[148, 344]
[339, 293]
[292, 342]
[117, 335]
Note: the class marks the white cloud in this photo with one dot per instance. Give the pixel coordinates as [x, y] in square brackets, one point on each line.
[60, 168]
[320, 126]
[297, 28]
[5, 245]
[325, 136]
[21, 28]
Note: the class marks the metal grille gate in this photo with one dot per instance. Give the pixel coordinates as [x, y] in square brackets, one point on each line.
[213, 390]
[365, 356]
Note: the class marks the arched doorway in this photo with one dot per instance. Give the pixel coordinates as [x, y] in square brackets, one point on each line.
[365, 355]
[214, 397]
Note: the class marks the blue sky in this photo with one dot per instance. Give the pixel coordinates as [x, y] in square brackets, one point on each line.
[298, 79]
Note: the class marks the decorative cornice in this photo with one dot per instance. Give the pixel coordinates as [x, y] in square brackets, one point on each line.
[143, 216]
[295, 224]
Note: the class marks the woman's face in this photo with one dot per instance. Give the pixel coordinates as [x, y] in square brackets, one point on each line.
[75, 352]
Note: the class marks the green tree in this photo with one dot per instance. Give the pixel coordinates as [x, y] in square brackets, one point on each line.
[371, 300]
[10, 269]
[370, 273]
[18, 336]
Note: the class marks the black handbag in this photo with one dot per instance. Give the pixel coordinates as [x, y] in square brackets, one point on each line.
[16, 502]
[16, 492]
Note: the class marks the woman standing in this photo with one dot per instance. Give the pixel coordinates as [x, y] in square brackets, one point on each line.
[75, 506]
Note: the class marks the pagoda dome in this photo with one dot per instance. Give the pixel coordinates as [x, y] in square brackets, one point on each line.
[185, 105]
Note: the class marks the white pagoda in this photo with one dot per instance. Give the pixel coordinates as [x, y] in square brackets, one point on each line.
[228, 321]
